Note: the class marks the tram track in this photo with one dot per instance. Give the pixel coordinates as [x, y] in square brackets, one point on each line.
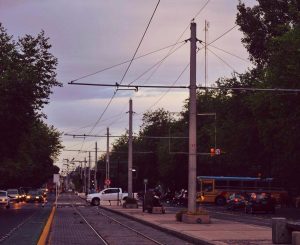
[113, 228]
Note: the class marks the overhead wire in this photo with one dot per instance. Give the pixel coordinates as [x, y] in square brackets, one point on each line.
[124, 62]
[226, 63]
[140, 42]
[115, 92]
[157, 63]
[160, 98]
[234, 55]
[170, 51]
[181, 35]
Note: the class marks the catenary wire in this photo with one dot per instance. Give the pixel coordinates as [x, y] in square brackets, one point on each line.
[124, 62]
[157, 63]
[140, 42]
[115, 92]
[225, 62]
[154, 71]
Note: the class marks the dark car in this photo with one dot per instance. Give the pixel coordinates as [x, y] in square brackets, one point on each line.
[236, 201]
[35, 196]
[260, 203]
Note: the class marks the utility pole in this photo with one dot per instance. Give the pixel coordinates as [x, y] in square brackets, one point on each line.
[84, 174]
[107, 157]
[192, 124]
[89, 174]
[130, 151]
[95, 175]
[205, 49]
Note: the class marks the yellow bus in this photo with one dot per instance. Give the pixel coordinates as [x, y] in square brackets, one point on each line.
[216, 189]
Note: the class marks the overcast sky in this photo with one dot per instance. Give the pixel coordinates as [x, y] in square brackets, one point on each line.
[88, 36]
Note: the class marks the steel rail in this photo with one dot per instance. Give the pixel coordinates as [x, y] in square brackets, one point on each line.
[88, 224]
[126, 226]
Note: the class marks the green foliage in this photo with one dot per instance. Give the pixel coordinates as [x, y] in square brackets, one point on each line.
[27, 74]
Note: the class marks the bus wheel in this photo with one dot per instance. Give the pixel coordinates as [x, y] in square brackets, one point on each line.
[220, 201]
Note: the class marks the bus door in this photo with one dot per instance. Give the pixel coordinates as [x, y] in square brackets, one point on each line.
[207, 191]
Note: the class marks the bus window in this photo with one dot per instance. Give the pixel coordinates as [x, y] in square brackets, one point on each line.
[221, 184]
[207, 186]
[234, 184]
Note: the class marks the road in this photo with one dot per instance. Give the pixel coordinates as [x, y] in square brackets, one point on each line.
[23, 222]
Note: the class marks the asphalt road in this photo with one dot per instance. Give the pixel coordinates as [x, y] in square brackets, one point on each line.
[23, 222]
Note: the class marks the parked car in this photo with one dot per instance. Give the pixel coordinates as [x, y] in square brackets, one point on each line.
[14, 195]
[260, 203]
[4, 199]
[108, 194]
[35, 196]
[236, 201]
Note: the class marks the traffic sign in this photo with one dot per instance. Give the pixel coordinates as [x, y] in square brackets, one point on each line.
[107, 181]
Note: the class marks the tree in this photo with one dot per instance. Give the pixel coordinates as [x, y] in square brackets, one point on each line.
[272, 37]
[27, 75]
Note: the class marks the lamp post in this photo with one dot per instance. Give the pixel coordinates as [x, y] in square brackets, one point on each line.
[132, 170]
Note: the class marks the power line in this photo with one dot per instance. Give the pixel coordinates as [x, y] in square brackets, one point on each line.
[239, 57]
[222, 35]
[124, 62]
[198, 87]
[115, 92]
[177, 40]
[226, 63]
[140, 42]
[157, 63]
[126, 136]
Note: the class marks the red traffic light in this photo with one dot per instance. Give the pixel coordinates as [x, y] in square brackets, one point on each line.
[212, 152]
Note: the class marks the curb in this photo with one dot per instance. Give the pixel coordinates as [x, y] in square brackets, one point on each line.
[46, 230]
[178, 234]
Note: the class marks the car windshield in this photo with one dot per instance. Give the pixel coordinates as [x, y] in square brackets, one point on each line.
[33, 192]
[2, 193]
[12, 191]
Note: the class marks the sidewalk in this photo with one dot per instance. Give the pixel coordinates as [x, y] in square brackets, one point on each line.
[219, 232]
[66, 227]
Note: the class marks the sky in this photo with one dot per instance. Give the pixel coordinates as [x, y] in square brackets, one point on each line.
[89, 36]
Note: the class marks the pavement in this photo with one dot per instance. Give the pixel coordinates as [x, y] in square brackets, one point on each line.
[218, 232]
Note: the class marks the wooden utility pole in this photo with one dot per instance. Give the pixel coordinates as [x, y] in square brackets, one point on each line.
[192, 124]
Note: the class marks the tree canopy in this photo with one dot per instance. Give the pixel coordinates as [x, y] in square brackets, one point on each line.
[27, 75]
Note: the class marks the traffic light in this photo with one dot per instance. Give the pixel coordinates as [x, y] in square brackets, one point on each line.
[212, 152]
